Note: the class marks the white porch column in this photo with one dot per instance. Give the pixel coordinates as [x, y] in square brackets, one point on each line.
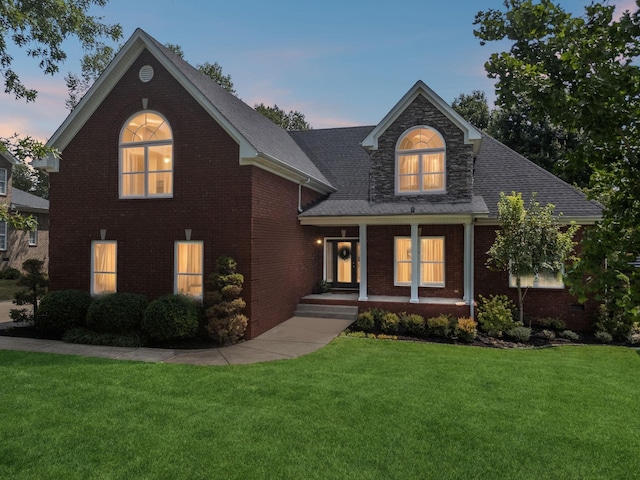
[468, 265]
[363, 297]
[415, 264]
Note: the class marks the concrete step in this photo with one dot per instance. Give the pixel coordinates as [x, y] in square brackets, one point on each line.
[326, 311]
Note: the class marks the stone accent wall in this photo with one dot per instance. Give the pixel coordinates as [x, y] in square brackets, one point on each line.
[459, 157]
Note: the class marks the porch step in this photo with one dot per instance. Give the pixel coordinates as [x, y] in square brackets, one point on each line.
[344, 312]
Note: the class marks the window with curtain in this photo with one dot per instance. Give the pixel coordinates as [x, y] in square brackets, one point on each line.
[431, 261]
[189, 269]
[146, 157]
[104, 267]
[420, 162]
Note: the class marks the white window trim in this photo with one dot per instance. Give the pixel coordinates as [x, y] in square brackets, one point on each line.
[3, 236]
[419, 153]
[175, 267]
[512, 283]
[33, 237]
[420, 262]
[122, 145]
[93, 271]
[3, 181]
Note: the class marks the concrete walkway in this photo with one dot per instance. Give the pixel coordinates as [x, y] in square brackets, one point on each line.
[293, 338]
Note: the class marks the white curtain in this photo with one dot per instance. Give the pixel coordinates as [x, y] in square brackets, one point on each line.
[104, 267]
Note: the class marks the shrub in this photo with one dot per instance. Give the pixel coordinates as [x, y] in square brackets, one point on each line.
[412, 324]
[389, 323]
[439, 326]
[548, 334]
[63, 309]
[613, 321]
[466, 329]
[89, 337]
[634, 338]
[553, 323]
[10, 273]
[495, 314]
[116, 313]
[603, 337]
[35, 284]
[365, 322]
[569, 335]
[520, 334]
[171, 317]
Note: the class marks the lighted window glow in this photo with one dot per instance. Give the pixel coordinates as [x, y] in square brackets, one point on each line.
[431, 261]
[146, 157]
[189, 277]
[103, 266]
[420, 161]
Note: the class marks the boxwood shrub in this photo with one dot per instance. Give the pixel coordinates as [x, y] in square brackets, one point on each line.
[171, 317]
[116, 313]
[62, 310]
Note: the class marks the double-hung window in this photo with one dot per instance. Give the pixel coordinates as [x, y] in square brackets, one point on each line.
[420, 162]
[146, 157]
[104, 267]
[3, 235]
[189, 269]
[431, 261]
[33, 236]
[3, 181]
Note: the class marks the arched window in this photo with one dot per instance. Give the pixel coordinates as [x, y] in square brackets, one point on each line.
[420, 162]
[146, 157]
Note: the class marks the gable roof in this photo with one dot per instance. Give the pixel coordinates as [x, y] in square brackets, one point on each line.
[262, 143]
[8, 156]
[500, 169]
[26, 201]
[471, 134]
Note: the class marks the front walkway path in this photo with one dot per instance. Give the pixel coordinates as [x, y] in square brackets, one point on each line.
[293, 338]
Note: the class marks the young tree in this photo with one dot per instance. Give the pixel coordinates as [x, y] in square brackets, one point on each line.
[35, 282]
[582, 74]
[530, 241]
[292, 120]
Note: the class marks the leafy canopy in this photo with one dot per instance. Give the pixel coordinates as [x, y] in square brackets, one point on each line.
[291, 120]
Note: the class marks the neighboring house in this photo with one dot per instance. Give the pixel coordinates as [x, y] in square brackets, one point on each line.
[162, 171]
[16, 246]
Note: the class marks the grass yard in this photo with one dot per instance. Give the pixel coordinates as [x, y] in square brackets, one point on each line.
[8, 289]
[356, 409]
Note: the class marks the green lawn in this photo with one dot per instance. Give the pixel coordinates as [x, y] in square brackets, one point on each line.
[356, 409]
[8, 289]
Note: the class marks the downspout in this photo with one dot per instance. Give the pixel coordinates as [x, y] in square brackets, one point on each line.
[300, 194]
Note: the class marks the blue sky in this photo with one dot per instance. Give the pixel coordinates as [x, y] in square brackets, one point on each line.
[341, 63]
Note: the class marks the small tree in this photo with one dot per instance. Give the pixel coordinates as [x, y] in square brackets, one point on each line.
[35, 283]
[530, 241]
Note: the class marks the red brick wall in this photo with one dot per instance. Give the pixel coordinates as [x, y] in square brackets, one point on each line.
[539, 302]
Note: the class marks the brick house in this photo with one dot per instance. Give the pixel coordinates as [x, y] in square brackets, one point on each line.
[162, 171]
[16, 246]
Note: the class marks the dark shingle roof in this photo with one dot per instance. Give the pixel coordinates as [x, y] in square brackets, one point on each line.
[264, 135]
[339, 155]
[25, 200]
[500, 169]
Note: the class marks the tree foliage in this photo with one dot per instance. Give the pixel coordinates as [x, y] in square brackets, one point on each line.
[530, 241]
[582, 73]
[291, 120]
[91, 67]
[27, 179]
[474, 108]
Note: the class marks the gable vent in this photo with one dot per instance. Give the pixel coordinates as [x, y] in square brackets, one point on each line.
[146, 73]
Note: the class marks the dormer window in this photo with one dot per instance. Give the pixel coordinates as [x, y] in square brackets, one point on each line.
[420, 162]
[146, 157]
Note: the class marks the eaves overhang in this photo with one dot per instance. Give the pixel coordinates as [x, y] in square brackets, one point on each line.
[326, 221]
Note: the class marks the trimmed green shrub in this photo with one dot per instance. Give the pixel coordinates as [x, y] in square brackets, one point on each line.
[603, 337]
[63, 309]
[10, 273]
[89, 337]
[116, 313]
[614, 321]
[569, 335]
[439, 326]
[412, 324]
[495, 314]
[519, 334]
[389, 323]
[548, 334]
[553, 323]
[364, 322]
[466, 329]
[171, 317]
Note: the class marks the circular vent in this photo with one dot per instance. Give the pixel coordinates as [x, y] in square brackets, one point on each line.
[146, 73]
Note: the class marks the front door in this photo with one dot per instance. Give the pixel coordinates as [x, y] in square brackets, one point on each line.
[344, 263]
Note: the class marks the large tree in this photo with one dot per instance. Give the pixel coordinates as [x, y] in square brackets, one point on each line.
[39, 30]
[474, 108]
[291, 120]
[529, 243]
[581, 72]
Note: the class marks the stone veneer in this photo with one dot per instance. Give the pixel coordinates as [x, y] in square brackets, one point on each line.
[459, 157]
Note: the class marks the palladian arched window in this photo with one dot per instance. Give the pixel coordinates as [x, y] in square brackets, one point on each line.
[146, 157]
[420, 162]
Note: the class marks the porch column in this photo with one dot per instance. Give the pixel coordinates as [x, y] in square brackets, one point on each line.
[363, 297]
[468, 265]
[415, 264]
